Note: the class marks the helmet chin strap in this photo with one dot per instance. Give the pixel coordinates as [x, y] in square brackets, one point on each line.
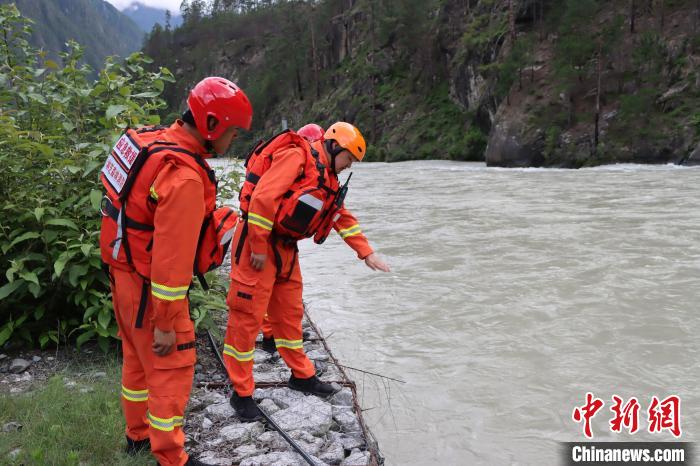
[333, 152]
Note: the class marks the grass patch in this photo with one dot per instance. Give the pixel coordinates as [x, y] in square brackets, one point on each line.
[68, 424]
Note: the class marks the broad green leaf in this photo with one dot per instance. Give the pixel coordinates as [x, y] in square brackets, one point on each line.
[34, 289]
[43, 340]
[84, 337]
[103, 318]
[38, 97]
[5, 334]
[75, 273]
[124, 91]
[95, 199]
[24, 237]
[6, 290]
[62, 222]
[61, 262]
[29, 277]
[149, 94]
[114, 110]
[39, 212]
[86, 248]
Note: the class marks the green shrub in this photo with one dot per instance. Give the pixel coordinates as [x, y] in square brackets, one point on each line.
[56, 128]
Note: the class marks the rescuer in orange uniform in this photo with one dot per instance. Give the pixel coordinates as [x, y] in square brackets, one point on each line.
[291, 192]
[312, 133]
[150, 240]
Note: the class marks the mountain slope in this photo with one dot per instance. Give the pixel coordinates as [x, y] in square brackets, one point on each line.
[146, 17]
[564, 83]
[95, 24]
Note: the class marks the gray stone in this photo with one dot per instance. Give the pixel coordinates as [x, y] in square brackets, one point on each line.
[206, 423]
[342, 398]
[238, 434]
[222, 410]
[100, 375]
[261, 356]
[268, 406]
[277, 458]
[12, 427]
[348, 441]
[346, 419]
[307, 442]
[273, 441]
[70, 383]
[215, 442]
[283, 397]
[212, 397]
[50, 358]
[198, 368]
[211, 457]
[356, 458]
[333, 453]
[36, 358]
[245, 451]
[19, 365]
[14, 453]
[87, 390]
[318, 355]
[16, 390]
[2, 356]
[311, 414]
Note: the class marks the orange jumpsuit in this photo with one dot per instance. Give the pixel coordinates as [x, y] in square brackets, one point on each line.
[277, 293]
[155, 389]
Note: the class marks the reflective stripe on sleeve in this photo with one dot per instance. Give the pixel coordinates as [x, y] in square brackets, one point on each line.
[168, 293]
[242, 356]
[134, 395]
[259, 220]
[289, 344]
[352, 231]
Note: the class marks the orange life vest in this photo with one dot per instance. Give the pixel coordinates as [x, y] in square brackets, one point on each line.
[308, 206]
[128, 207]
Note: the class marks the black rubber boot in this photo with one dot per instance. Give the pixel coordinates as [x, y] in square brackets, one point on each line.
[312, 386]
[193, 462]
[246, 408]
[268, 344]
[134, 447]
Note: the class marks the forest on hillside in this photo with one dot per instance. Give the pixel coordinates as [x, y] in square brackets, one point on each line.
[513, 82]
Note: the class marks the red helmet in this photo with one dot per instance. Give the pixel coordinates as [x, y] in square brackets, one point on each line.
[311, 132]
[223, 100]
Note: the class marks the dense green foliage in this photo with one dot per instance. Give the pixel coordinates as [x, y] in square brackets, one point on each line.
[95, 24]
[56, 127]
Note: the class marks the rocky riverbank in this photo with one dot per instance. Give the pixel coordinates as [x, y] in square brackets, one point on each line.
[330, 431]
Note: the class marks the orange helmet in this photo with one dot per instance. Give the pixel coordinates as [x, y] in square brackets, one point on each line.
[348, 137]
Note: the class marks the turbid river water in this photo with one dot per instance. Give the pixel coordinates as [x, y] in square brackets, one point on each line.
[512, 294]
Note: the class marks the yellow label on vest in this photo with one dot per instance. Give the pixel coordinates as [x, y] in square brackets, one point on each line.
[115, 174]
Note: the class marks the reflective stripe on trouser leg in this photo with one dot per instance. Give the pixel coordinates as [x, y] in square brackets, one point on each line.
[285, 312]
[126, 295]
[169, 391]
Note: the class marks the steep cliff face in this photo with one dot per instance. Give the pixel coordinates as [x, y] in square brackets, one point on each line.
[442, 78]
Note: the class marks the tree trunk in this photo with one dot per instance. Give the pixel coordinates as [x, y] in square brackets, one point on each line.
[633, 12]
[596, 138]
[314, 57]
[511, 21]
